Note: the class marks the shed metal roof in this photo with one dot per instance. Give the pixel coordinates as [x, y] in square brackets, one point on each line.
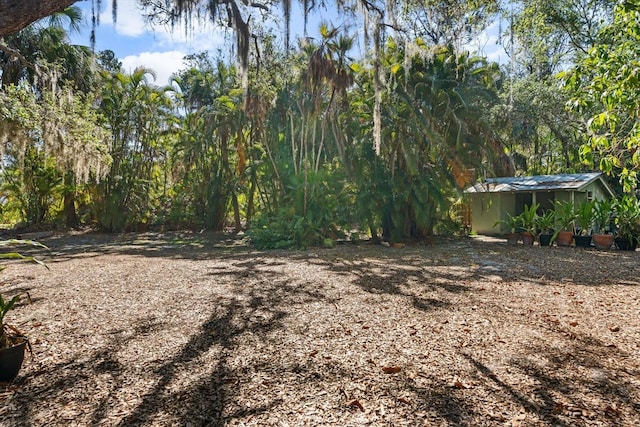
[567, 182]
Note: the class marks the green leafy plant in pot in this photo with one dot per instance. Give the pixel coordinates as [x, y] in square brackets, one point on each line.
[627, 221]
[529, 221]
[545, 224]
[602, 236]
[564, 215]
[584, 222]
[513, 223]
[12, 341]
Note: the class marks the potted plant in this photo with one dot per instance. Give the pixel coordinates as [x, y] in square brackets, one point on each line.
[602, 236]
[545, 224]
[513, 224]
[583, 221]
[627, 222]
[12, 341]
[529, 222]
[564, 216]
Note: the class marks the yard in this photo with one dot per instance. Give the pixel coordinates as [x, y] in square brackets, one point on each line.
[200, 329]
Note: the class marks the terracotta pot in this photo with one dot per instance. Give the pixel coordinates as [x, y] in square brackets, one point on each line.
[11, 359]
[527, 238]
[564, 238]
[602, 241]
[512, 238]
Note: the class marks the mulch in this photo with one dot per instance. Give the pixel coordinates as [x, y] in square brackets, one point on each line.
[198, 329]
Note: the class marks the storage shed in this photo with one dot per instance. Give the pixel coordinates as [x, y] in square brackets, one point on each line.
[494, 198]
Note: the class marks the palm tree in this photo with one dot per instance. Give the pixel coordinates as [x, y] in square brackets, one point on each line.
[435, 132]
[212, 127]
[139, 116]
[41, 54]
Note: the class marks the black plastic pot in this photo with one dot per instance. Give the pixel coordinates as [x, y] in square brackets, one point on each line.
[625, 244]
[11, 359]
[545, 239]
[582, 241]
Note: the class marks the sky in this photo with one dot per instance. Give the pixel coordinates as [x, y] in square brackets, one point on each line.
[162, 50]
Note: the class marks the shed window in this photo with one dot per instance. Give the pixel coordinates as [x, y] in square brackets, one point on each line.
[546, 201]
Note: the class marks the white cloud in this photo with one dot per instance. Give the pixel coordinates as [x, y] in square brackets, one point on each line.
[130, 22]
[488, 45]
[162, 63]
[163, 48]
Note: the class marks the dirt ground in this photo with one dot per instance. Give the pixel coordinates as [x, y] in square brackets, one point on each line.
[202, 330]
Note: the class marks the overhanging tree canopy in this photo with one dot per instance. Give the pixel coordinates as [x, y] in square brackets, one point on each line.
[17, 14]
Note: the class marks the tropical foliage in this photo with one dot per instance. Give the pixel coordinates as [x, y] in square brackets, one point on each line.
[303, 146]
[605, 87]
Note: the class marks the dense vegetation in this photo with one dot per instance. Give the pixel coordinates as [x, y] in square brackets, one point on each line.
[305, 145]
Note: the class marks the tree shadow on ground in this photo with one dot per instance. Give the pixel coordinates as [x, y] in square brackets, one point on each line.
[187, 245]
[209, 399]
[261, 306]
[490, 259]
[571, 384]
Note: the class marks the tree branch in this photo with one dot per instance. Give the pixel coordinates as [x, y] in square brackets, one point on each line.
[14, 54]
[17, 14]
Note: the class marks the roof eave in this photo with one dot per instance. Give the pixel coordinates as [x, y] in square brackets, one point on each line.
[600, 178]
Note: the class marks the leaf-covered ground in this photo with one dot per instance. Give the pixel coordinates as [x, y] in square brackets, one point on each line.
[180, 329]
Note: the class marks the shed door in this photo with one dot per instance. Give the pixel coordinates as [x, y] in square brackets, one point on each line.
[523, 199]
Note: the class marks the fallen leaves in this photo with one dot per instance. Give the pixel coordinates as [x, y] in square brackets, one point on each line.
[279, 353]
[460, 385]
[405, 401]
[356, 404]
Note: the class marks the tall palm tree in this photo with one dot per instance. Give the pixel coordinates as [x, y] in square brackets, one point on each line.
[213, 131]
[139, 116]
[435, 132]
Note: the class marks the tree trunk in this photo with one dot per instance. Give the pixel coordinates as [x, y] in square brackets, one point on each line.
[236, 212]
[70, 214]
[17, 14]
[251, 198]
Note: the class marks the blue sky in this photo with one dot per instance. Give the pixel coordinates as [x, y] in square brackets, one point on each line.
[162, 50]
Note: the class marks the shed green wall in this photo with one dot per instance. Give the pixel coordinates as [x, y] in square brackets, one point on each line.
[487, 208]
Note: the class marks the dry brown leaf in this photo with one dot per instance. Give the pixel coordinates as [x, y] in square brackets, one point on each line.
[459, 384]
[265, 354]
[356, 403]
